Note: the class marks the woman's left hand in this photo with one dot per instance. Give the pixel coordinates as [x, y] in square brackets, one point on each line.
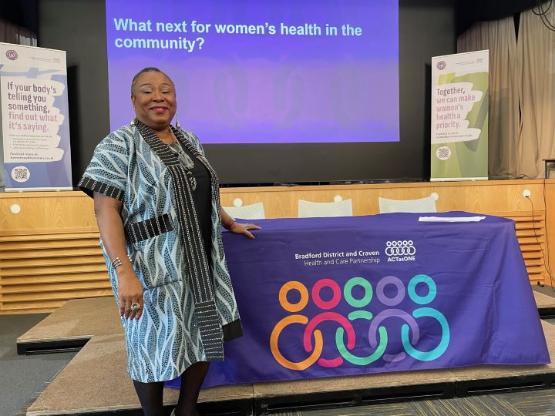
[239, 228]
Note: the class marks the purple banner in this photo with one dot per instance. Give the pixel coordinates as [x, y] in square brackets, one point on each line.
[322, 297]
[264, 72]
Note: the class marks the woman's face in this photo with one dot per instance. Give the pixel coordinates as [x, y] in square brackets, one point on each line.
[154, 99]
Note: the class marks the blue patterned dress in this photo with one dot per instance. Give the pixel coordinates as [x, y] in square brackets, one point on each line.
[189, 310]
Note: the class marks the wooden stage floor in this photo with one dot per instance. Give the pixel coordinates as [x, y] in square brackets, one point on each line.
[96, 380]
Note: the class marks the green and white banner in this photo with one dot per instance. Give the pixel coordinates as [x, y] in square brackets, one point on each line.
[459, 131]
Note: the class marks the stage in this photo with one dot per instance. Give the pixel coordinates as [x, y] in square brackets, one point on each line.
[96, 380]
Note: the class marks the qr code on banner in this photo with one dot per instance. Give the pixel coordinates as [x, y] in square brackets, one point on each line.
[20, 174]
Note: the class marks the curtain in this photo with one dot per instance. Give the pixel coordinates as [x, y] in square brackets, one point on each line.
[504, 91]
[11, 33]
[536, 46]
[522, 92]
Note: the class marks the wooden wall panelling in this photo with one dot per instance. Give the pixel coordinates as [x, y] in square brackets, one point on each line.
[531, 231]
[549, 194]
[43, 270]
[46, 213]
[49, 251]
[479, 196]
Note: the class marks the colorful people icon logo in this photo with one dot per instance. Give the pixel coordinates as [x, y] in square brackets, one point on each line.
[358, 293]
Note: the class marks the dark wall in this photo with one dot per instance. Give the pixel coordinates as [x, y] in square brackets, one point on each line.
[469, 12]
[426, 29]
[77, 26]
[22, 13]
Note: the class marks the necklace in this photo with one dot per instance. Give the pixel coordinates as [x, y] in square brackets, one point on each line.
[183, 157]
[185, 160]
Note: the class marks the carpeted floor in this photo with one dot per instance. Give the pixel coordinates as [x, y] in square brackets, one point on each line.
[23, 377]
[530, 403]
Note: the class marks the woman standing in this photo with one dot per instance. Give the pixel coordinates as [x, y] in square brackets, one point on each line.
[157, 205]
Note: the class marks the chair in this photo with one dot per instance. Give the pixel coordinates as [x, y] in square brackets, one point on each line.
[247, 212]
[427, 204]
[337, 208]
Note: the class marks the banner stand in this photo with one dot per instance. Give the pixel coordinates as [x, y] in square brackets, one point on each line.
[459, 133]
[34, 124]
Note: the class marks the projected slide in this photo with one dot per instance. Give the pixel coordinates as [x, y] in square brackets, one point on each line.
[264, 71]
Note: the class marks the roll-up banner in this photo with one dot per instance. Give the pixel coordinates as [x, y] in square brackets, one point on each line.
[35, 121]
[459, 132]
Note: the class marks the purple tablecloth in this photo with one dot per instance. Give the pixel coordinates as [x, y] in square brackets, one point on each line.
[323, 297]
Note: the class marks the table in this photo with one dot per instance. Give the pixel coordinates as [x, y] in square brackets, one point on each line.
[322, 297]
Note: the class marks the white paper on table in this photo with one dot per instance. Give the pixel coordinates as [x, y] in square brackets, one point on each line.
[474, 218]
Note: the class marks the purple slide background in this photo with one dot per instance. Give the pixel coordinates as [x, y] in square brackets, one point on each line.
[264, 88]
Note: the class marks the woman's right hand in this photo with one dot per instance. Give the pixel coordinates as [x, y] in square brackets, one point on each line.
[130, 292]
[110, 224]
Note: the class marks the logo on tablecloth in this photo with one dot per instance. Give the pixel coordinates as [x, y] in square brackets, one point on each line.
[400, 250]
[358, 293]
